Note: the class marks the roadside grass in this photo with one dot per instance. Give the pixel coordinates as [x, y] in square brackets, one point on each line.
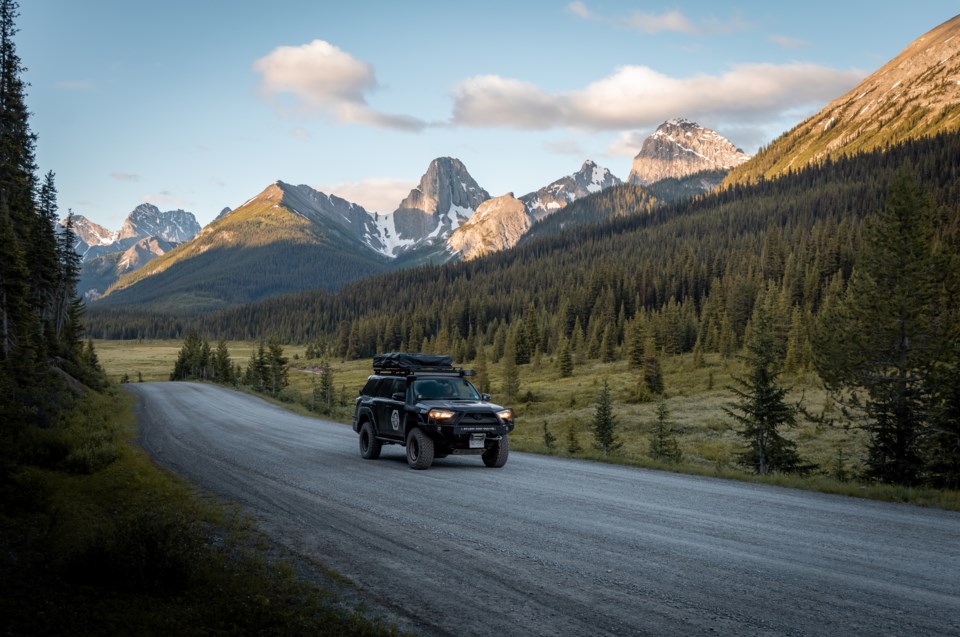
[97, 540]
[695, 398]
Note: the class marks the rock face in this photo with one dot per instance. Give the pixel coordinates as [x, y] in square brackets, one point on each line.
[326, 209]
[498, 224]
[916, 94]
[90, 234]
[679, 148]
[446, 197]
[142, 252]
[146, 220]
[586, 181]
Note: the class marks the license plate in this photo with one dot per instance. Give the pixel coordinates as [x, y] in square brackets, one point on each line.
[476, 441]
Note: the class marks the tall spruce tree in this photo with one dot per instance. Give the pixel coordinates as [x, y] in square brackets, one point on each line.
[761, 409]
[880, 347]
[605, 436]
[663, 438]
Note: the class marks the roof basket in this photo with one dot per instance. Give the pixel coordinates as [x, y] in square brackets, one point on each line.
[406, 363]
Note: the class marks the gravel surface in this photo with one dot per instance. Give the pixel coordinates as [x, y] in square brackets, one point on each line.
[553, 546]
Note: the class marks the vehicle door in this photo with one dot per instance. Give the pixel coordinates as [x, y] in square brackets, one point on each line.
[389, 412]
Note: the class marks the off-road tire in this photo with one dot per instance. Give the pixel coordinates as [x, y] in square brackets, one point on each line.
[419, 450]
[496, 456]
[369, 445]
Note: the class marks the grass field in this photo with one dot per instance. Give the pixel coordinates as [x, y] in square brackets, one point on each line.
[695, 398]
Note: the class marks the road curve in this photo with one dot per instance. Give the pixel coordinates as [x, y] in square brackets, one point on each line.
[553, 546]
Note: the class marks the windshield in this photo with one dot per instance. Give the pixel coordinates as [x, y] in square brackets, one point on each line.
[444, 389]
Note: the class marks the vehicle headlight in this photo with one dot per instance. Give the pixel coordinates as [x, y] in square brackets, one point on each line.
[505, 414]
[440, 414]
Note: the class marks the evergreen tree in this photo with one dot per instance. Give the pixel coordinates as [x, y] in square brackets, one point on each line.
[68, 308]
[663, 440]
[482, 378]
[222, 365]
[549, 440]
[565, 360]
[761, 410]
[324, 393]
[573, 443]
[257, 368]
[605, 423]
[277, 373]
[511, 374]
[193, 359]
[652, 374]
[879, 347]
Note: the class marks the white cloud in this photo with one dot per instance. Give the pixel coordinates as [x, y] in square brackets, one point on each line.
[669, 21]
[319, 78]
[628, 144]
[300, 134]
[490, 100]
[640, 97]
[376, 195]
[122, 176]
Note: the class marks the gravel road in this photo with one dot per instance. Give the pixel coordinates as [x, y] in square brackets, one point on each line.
[553, 546]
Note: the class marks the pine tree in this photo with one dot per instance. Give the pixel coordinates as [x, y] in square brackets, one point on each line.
[511, 374]
[193, 359]
[277, 374]
[565, 360]
[323, 394]
[879, 347]
[605, 423]
[222, 365]
[573, 443]
[482, 378]
[663, 440]
[761, 410]
[549, 440]
[652, 374]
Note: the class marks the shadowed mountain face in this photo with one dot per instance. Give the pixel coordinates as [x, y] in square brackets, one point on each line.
[446, 197]
[914, 95]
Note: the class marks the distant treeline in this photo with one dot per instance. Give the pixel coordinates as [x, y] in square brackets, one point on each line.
[690, 272]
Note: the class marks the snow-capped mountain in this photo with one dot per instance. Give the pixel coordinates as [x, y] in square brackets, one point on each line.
[90, 234]
[679, 148]
[498, 224]
[446, 197]
[146, 233]
[146, 220]
[586, 181]
[322, 208]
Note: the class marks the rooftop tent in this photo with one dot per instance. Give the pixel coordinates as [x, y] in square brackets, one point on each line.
[406, 361]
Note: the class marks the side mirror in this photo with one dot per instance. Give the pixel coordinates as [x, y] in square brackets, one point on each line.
[399, 396]
[485, 397]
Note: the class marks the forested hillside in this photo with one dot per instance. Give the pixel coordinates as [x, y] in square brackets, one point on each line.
[691, 271]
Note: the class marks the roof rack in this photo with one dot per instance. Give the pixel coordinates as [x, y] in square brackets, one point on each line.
[405, 363]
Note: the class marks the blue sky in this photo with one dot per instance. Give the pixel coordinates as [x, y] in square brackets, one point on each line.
[202, 104]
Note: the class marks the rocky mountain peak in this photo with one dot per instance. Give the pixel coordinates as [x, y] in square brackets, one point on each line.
[90, 233]
[589, 179]
[498, 224]
[680, 147]
[913, 95]
[146, 220]
[445, 198]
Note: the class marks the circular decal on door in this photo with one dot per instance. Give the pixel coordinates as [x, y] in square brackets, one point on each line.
[395, 420]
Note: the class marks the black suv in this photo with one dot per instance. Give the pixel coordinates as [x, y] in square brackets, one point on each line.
[424, 402]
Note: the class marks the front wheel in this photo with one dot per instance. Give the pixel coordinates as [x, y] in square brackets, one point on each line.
[369, 445]
[419, 450]
[496, 456]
